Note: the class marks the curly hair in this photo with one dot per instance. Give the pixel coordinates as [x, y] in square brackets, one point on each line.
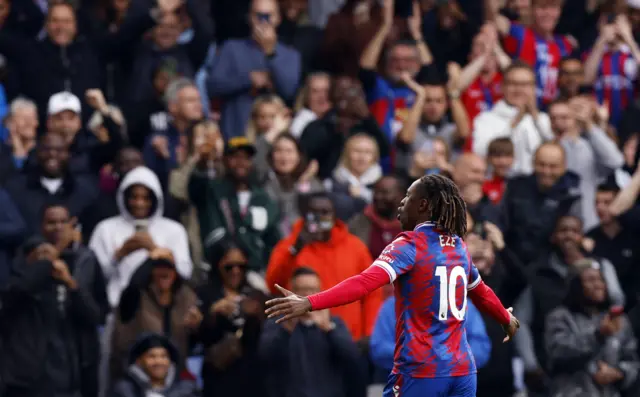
[446, 207]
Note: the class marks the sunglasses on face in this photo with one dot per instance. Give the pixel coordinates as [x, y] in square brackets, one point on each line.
[237, 265]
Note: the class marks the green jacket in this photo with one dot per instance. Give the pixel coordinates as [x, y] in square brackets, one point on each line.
[219, 215]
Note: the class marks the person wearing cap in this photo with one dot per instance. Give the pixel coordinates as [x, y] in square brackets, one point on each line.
[152, 371]
[235, 204]
[89, 151]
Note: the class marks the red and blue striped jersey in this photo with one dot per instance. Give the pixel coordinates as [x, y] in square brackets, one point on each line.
[615, 81]
[432, 272]
[543, 55]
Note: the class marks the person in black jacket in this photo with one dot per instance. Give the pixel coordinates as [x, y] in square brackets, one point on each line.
[59, 229]
[12, 230]
[49, 308]
[323, 140]
[50, 181]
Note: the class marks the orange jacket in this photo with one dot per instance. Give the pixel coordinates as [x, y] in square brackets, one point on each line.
[343, 256]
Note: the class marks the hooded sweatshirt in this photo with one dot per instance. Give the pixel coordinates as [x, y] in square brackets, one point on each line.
[113, 232]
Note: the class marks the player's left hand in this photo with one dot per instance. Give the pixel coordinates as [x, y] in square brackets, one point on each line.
[512, 328]
[289, 307]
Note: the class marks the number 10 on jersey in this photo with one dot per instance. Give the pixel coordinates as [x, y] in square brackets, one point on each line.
[448, 285]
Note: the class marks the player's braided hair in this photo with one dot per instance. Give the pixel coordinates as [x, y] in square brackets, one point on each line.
[446, 207]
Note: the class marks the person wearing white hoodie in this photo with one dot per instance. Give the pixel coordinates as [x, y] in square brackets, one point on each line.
[516, 117]
[123, 242]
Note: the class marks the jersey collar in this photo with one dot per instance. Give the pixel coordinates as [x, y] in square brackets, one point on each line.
[430, 224]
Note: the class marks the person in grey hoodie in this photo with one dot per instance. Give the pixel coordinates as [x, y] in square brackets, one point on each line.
[152, 371]
[591, 348]
[246, 68]
[589, 152]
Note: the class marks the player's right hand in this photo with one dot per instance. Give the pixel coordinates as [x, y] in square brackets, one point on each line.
[287, 308]
[512, 327]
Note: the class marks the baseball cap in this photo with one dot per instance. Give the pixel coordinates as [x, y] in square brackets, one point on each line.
[63, 101]
[634, 4]
[239, 143]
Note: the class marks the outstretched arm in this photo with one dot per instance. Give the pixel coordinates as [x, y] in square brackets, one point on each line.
[350, 290]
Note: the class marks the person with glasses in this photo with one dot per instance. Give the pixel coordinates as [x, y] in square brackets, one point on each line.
[233, 307]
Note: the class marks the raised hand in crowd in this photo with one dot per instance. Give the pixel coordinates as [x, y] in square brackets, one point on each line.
[226, 306]
[408, 80]
[322, 319]
[310, 172]
[280, 124]
[170, 6]
[160, 145]
[610, 325]
[495, 236]
[140, 240]
[414, 22]
[61, 273]
[193, 318]
[584, 110]
[70, 235]
[607, 374]
[260, 80]
[95, 98]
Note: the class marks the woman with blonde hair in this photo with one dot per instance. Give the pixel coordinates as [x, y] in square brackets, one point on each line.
[357, 172]
[269, 118]
[312, 102]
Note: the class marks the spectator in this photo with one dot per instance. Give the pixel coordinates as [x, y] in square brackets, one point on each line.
[290, 175]
[570, 77]
[468, 173]
[153, 369]
[350, 30]
[591, 352]
[269, 118]
[525, 218]
[49, 358]
[235, 205]
[22, 123]
[89, 151]
[323, 140]
[106, 205]
[522, 42]
[204, 146]
[252, 66]
[500, 161]
[480, 82]
[428, 119]
[233, 314]
[493, 260]
[377, 225]
[12, 231]
[165, 149]
[61, 231]
[614, 87]
[312, 103]
[297, 31]
[387, 95]
[124, 242]
[383, 338]
[433, 158]
[156, 300]
[615, 239]
[589, 152]
[353, 179]
[516, 117]
[150, 114]
[548, 285]
[323, 243]
[313, 355]
[50, 180]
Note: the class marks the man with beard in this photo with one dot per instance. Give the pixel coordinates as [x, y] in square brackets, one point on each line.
[50, 180]
[377, 226]
[235, 204]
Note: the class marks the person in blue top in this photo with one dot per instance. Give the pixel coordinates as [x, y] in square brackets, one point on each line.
[383, 338]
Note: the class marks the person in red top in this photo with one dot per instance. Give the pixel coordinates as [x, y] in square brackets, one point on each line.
[536, 45]
[500, 159]
[480, 81]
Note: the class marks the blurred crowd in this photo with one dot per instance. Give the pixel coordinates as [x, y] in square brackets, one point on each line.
[165, 163]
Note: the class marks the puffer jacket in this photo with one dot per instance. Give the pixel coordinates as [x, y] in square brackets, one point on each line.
[574, 349]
